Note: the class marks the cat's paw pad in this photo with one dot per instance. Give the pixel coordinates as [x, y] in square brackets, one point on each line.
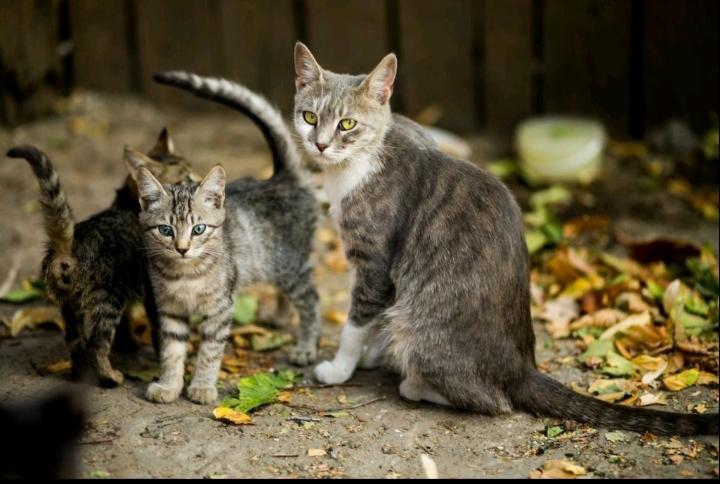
[159, 393]
[202, 395]
[303, 356]
[328, 372]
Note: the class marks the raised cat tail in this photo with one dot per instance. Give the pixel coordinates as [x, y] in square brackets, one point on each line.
[546, 397]
[255, 106]
[59, 223]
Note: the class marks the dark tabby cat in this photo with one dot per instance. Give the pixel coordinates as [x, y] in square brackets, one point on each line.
[206, 241]
[94, 270]
[53, 423]
[439, 262]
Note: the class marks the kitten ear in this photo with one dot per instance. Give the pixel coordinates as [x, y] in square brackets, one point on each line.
[133, 160]
[164, 144]
[307, 70]
[379, 83]
[212, 188]
[150, 191]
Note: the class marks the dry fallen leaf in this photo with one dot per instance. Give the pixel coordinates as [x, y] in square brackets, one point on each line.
[232, 416]
[602, 318]
[652, 399]
[57, 367]
[336, 316]
[429, 466]
[641, 319]
[32, 317]
[558, 313]
[682, 380]
[316, 452]
[559, 469]
[335, 261]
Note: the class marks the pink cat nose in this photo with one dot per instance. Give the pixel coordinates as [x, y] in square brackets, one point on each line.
[321, 147]
[181, 251]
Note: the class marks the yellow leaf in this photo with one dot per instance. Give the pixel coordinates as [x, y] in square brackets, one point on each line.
[649, 363]
[621, 383]
[337, 317]
[59, 366]
[705, 378]
[284, 397]
[326, 236]
[680, 381]
[232, 416]
[31, 317]
[316, 452]
[561, 469]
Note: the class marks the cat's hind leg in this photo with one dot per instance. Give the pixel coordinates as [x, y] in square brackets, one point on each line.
[101, 318]
[302, 293]
[414, 388]
[214, 332]
[174, 335]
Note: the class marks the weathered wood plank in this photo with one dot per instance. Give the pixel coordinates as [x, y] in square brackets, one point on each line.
[100, 45]
[586, 60]
[347, 36]
[680, 61]
[30, 70]
[258, 41]
[179, 35]
[435, 60]
[508, 63]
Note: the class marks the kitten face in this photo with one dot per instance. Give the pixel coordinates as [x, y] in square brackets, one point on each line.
[182, 222]
[338, 116]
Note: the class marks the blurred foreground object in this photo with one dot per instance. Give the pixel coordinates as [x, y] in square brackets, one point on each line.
[554, 149]
[52, 422]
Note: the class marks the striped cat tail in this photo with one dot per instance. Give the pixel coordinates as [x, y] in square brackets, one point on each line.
[253, 105]
[57, 214]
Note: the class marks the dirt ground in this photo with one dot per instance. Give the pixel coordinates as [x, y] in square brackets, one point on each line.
[381, 435]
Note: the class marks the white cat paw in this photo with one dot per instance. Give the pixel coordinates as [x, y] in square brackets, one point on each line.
[159, 393]
[202, 395]
[303, 356]
[329, 372]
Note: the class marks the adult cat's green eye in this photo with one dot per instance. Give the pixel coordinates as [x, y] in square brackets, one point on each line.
[310, 118]
[346, 124]
[165, 230]
[199, 229]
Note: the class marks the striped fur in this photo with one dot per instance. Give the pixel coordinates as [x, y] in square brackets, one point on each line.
[94, 270]
[440, 265]
[254, 231]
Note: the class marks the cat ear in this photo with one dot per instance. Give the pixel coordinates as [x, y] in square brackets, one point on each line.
[212, 188]
[164, 144]
[307, 69]
[150, 191]
[379, 83]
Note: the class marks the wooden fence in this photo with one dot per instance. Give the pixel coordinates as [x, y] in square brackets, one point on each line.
[487, 63]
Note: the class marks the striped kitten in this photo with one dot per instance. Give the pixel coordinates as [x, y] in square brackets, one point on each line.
[94, 270]
[208, 240]
[439, 262]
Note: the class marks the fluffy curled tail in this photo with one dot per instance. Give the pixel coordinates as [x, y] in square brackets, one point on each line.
[255, 106]
[58, 216]
[546, 397]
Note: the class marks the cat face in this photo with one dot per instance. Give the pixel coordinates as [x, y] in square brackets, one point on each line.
[339, 117]
[182, 222]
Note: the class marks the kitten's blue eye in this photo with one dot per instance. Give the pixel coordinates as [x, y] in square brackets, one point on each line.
[199, 229]
[165, 230]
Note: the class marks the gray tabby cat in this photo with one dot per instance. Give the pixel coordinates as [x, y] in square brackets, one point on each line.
[440, 276]
[208, 240]
[95, 270]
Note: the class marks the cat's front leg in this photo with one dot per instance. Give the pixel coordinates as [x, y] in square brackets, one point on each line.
[213, 333]
[174, 336]
[341, 368]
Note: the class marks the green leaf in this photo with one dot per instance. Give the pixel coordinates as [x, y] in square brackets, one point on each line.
[259, 389]
[608, 390]
[552, 230]
[553, 432]
[244, 309]
[269, 341]
[599, 348]
[556, 194]
[535, 240]
[100, 474]
[145, 375]
[655, 290]
[502, 168]
[588, 331]
[17, 296]
[703, 276]
[616, 436]
[617, 365]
